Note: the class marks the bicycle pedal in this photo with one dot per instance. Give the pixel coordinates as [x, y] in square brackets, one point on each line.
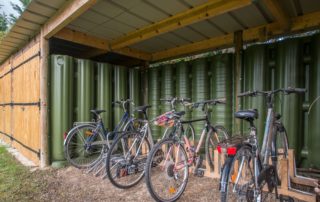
[198, 162]
[199, 173]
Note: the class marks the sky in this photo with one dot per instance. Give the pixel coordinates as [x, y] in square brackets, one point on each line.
[6, 6]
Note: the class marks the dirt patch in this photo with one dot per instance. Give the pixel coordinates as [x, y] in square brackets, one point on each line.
[71, 184]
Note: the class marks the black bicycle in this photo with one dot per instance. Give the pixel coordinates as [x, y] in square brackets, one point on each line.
[248, 169]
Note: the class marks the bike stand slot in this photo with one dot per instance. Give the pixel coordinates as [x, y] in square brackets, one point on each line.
[286, 171]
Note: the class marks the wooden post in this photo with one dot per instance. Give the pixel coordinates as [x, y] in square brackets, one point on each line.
[44, 52]
[238, 44]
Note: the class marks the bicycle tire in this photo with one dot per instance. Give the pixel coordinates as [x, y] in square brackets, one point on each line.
[72, 137]
[110, 157]
[225, 196]
[149, 166]
[209, 155]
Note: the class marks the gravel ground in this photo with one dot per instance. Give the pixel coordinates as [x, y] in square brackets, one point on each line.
[71, 184]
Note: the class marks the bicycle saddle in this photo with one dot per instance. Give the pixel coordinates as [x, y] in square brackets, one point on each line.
[248, 114]
[142, 109]
[97, 111]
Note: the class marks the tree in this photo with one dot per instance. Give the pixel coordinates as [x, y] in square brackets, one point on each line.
[19, 9]
[3, 24]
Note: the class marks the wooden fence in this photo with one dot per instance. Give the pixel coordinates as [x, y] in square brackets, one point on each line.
[20, 101]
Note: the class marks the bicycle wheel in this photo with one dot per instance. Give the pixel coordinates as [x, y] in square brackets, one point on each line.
[126, 159]
[167, 170]
[215, 136]
[188, 131]
[84, 146]
[279, 147]
[240, 183]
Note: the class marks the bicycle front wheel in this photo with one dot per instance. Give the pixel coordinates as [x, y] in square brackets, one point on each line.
[167, 170]
[126, 159]
[84, 146]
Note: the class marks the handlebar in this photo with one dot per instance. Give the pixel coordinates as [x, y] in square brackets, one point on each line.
[269, 93]
[124, 103]
[174, 100]
[207, 102]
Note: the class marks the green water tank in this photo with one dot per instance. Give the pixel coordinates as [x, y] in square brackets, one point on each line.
[221, 87]
[167, 88]
[314, 115]
[257, 76]
[120, 90]
[289, 74]
[61, 103]
[104, 92]
[183, 86]
[200, 91]
[84, 90]
[134, 88]
[154, 98]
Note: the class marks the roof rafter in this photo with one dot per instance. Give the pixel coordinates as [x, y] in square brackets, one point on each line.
[260, 33]
[65, 15]
[99, 43]
[193, 15]
[278, 13]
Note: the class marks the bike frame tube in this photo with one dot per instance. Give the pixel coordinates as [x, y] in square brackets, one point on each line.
[203, 135]
[266, 137]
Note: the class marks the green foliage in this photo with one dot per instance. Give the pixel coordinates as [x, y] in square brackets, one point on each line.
[3, 22]
[12, 18]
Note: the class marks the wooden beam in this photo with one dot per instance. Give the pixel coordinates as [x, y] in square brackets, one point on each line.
[194, 47]
[82, 38]
[134, 53]
[102, 45]
[65, 15]
[44, 118]
[259, 33]
[196, 14]
[278, 13]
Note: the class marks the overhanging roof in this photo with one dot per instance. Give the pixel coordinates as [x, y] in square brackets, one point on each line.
[154, 27]
[28, 25]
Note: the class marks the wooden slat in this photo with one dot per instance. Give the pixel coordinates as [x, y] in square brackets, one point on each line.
[196, 14]
[65, 15]
[26, 130]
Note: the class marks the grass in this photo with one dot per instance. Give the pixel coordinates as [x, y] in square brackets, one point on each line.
[17, 183]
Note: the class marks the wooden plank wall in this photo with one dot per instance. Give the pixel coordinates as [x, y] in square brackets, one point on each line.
[21, 88]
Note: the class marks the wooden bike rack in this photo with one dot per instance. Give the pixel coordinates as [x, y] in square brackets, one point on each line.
[287, 175]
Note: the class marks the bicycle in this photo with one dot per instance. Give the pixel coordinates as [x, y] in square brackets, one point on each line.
[247, 168]
[86, 142]
[167, 166]
[126, 158]
[189, 131]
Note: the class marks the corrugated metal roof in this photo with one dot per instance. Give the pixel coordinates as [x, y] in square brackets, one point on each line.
[28, 24]
[111, 19]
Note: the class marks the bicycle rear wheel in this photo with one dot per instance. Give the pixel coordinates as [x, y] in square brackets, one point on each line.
[167, 170]
[126, 159]
[240, 182]
[84, 146]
